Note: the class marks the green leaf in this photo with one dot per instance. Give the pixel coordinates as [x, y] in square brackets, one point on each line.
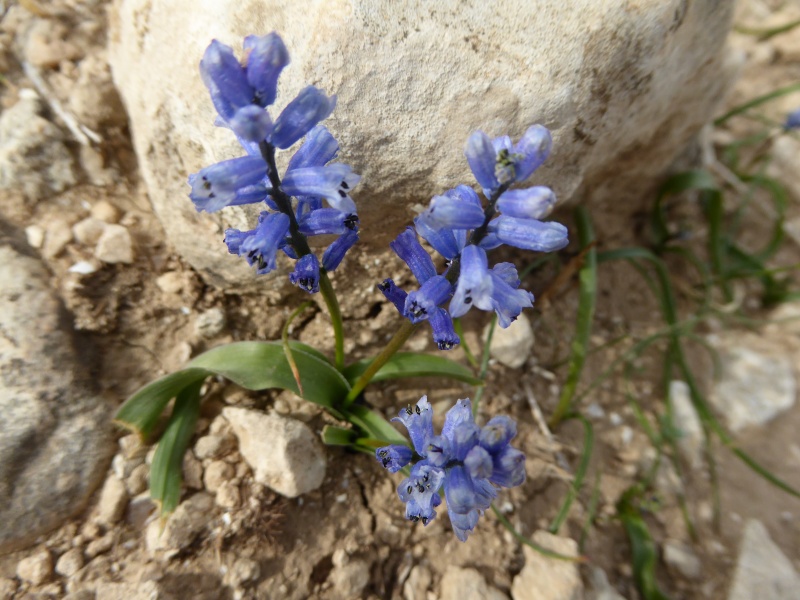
[645, 555]
[414, 364]
[789, 89]
[253, 365]
[580, 472]
[263, 365]
[165, 472]
[338, 436]
[142, 411]
[583, 327]
[699, 180]
[375, 425]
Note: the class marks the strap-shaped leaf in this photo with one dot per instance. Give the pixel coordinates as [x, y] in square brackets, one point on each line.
[165, 472]
[252, 365]
[375, 425]
[414, 364]
[263, 365]
[141, 412]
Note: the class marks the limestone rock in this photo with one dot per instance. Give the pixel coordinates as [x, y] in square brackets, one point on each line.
[512, 346]
[113, 500]
[114, 245]
[543, 578]
[467, 584]
[217, 473]
[36, 569]
[70, 562]
[284, 454]
[55, 439]
[33, 157]
[418, 583]
[762, 571]
[623, 90]
[210, 322]
[148, 590]
[756, 381]
[182, 527]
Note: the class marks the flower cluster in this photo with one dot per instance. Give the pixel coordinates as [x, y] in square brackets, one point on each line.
[294, 208]
[466, 460]
[461, 229]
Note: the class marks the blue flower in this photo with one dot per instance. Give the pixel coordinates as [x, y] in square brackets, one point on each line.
[461, 229]
[792, 120]
[241, 92]
[465, 462]
[424, 303]
[497, 162]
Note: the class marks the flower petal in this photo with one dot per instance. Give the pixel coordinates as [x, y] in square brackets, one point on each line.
[334, 253]
[482, 157]
[222, 181]
[532, 203]
[266, 58]
[419, 422]
[443, 332]
[318, 149]
[454, 213]
[394, 457]
[474, 287]
[508, 468]
[301, 115]
[306, 274]
[441, 239]
[530, 234]
[413, 254]
[533, 149]
[332, 182]
[251, 123]
[328, 221]
[225, 79]
[461, 412]
[261, 248]
[393, 294]
[423, 302]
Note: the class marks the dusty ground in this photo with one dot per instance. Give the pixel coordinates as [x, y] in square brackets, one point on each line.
[143, 316]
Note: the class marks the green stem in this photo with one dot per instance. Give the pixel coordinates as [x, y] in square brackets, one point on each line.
[400, 337]
[326, 289]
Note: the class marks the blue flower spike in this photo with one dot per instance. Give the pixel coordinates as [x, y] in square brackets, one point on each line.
[242, 93]
[458, 227]
[465, 462]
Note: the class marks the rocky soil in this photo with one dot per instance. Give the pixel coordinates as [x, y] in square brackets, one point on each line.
[95, 302]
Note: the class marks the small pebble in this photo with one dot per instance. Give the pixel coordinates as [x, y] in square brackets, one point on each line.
[105, 211]
[36, 569]
[70, 562]
[115, 245]
[88, 231]
[35, 236]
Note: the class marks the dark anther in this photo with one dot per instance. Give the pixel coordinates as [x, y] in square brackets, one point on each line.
[343, 194]
[345, 186]
[206, 184]
[424, 520]
[409, 489]
[409, 411]
[383, 453]
[212, 195]
[351, 221]
[416, 409]
[385, 462]
[468, 300]
[414, 518]
[425, 478]
[383, 286]
[420, 488]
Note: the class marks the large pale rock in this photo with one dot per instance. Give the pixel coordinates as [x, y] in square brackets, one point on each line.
[762, 571]
[284, 454]
[687, 422]
[55, 439]
[623, 85]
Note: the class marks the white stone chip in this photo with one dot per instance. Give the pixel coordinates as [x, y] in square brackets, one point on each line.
[115, 245]
[763, 571]
[284, 454]
[512, 346]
